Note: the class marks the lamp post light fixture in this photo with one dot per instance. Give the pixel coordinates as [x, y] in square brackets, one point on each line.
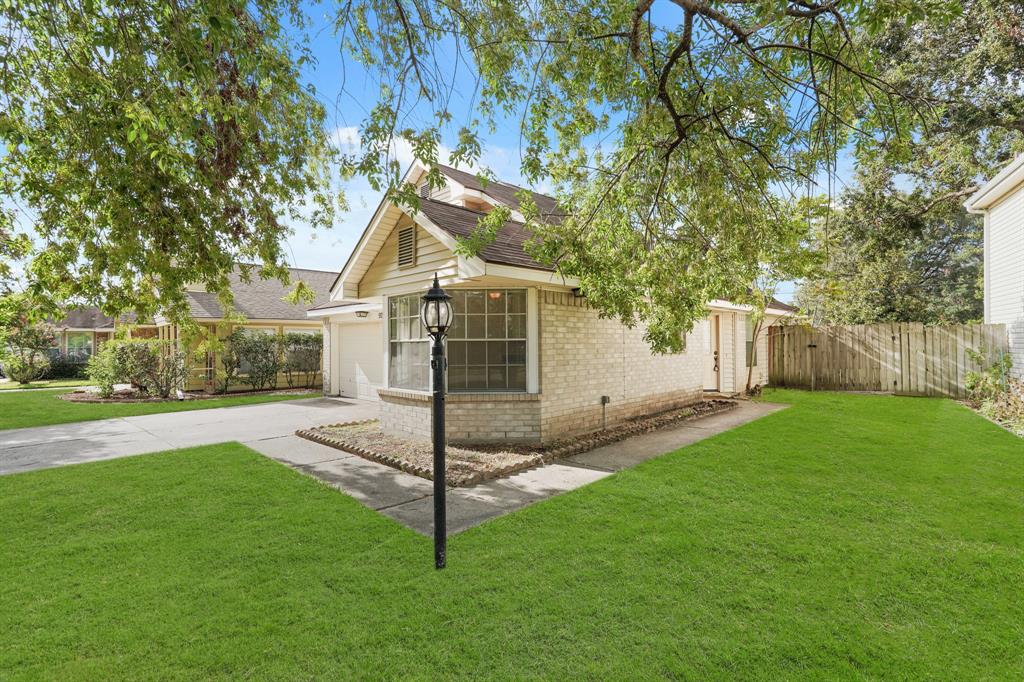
[436, 315]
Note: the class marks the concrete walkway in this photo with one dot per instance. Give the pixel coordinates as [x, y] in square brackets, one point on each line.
[51, 446]
[408, 499]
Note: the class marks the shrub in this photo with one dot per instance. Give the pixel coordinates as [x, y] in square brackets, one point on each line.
[25, 372]
[262, 355]
[24, 348]
[136, 361]
[230, 360]
[303, 354]
[102, 370]
[151, 365]
[994, 393]
[170, 373]
[63, 366]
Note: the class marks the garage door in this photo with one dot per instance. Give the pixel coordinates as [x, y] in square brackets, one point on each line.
[361, 360]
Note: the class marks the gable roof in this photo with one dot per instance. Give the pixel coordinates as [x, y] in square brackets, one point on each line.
[508, 245]
[85, 317]
[263, 299]
[505, 192]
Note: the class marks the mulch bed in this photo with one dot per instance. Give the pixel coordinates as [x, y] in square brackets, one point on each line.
[468, 465]
[133, 396]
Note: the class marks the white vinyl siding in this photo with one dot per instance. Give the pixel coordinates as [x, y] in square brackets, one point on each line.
[385, 277]
[1004, 271]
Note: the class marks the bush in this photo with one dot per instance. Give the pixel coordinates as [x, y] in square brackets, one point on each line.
[150, 365]
[136, 361]
[994, 393]
[63, 366]
[23, 371]
[303, 354]
[230, 360]
[102, 370]
[263, 354]
[23, 349]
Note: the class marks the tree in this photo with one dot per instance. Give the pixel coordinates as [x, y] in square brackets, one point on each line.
[152, 144]
[676, 133]
[890, 257]
[24, 342]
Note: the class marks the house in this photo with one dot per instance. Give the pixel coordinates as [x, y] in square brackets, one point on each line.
[1001, 202]
[260, 301]
[730, 345]
[85, 329]
[528, 359]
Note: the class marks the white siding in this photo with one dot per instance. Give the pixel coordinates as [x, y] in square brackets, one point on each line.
[1004, 271]
[384, 277]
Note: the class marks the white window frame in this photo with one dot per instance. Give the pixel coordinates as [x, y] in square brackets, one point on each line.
[532, 340]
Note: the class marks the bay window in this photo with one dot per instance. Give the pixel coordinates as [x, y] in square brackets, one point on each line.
[486, 344]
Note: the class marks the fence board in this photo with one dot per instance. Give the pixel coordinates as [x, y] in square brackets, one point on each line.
[908, 358]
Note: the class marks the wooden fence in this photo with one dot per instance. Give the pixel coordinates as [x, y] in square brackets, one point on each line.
[908, 358]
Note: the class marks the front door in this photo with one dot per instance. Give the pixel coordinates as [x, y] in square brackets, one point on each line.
[712, 355]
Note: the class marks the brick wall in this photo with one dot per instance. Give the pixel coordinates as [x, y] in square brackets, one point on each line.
[469, 417]
[584, 357]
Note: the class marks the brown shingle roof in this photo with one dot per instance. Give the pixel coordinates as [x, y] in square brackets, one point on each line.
[263, 299]
[86, 317]
[505, 192]
[507, 248]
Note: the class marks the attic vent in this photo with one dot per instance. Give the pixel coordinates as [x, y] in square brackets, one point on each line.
[407, 246]
[424, 190]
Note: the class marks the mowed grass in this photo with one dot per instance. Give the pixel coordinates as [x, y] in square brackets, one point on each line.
[845, 537]
[20, 409]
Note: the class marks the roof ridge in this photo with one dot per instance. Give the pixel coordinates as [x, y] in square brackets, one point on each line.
[498, 181]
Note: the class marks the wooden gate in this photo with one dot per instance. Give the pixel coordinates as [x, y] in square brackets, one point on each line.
[902, 358]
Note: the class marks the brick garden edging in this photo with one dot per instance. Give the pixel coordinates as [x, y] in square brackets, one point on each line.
[555, 451]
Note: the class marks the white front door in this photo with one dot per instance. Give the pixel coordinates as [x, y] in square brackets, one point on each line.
[360, 359]
[712, 354]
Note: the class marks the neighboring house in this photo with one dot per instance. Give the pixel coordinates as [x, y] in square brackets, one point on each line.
[1001, 202]
[528, 359]
[85, 329]
[260, 301]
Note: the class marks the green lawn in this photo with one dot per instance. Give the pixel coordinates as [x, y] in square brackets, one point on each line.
[846, 537]
[19, 409]
[44, 383]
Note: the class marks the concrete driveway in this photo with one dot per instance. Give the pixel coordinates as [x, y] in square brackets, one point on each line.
[50, 446]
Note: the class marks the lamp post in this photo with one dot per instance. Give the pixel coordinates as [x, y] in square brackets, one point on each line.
[436, 314]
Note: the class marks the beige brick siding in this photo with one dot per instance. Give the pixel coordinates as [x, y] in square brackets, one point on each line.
[584, 357]
[469, 417]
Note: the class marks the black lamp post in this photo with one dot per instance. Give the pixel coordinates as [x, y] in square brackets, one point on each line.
[436, 314]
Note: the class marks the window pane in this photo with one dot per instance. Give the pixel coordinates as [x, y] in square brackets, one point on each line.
[456, 353]
[458, 328]
[475, 302]
[517, 352]
[495, 301]
[496, 353]
[456, 378]
[392, 329]
[480, 355]
[517, 377]
[496, 326]
[408, 365]
[496, 378]
[476, 352]
[516, 301]
[476, 377]
[517, 326]
[476, 327]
